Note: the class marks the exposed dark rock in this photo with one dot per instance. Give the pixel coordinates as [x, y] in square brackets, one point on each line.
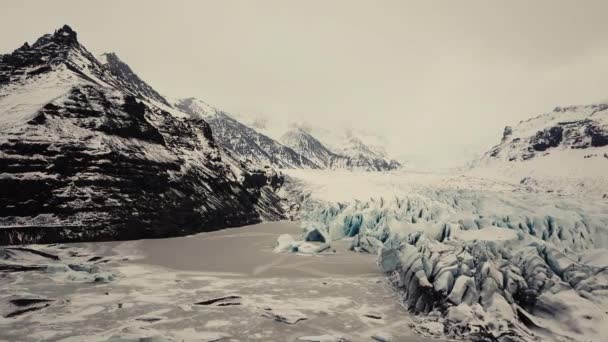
[282, 318]
[34, 251]
[599, 137]
[24, 311]
[314, 235]
[547, 138]
[21, 302]
[20, 268]
[507, 133]
[149, 319]
[575, 134]
[216, 300]
[372, 316]
[228, 304]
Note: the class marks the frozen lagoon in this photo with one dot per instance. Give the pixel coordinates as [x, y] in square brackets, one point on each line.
[226, 285]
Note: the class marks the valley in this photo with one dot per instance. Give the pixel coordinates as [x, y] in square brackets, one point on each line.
[128, 215]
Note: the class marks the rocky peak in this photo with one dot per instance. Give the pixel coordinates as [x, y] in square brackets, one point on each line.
[63, 36]
[507, 133]
[48, 51]
[25, 46]
[129, 78]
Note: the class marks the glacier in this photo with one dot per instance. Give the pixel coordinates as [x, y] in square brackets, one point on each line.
[471, 257]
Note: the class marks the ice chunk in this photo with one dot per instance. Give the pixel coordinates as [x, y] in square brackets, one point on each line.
[389, 259]
[285, 243]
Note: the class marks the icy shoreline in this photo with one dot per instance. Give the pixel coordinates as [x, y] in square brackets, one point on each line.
[222, 286]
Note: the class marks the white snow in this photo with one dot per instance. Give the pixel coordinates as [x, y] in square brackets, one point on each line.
[19, 103]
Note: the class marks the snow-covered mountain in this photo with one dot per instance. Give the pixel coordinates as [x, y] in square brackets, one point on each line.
[365, 157]
[243, 142]
[88, 151]
[582, 128]
[308, 146]
[354, 154]
[565, 150]
[295, 149]
[128, 78]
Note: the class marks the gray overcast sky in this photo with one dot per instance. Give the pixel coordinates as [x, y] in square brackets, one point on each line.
[439, 78]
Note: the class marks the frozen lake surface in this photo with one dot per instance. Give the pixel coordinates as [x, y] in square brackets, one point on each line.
[226, 285]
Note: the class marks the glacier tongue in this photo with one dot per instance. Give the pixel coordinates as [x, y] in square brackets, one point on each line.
[485, 264]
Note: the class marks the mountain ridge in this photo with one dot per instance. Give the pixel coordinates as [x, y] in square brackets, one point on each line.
[88, 156]
[243, 141]
[563, 151]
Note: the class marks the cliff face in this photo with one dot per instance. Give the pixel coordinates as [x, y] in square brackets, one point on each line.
[85, 156]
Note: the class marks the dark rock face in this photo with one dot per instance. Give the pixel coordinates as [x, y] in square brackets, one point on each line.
[507, 133]
[547, 138]
[599, 137]
[584, 134]
[101, 162]
[121, 189]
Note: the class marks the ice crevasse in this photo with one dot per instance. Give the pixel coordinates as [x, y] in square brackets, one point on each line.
[485, 265]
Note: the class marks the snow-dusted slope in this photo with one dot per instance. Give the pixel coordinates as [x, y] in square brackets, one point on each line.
[85, 154]
[564, 151]
[309, 147]
[353, 154]
[243, 142]
[128, 78]
[295, 149]
[474, 258]
[363, 157]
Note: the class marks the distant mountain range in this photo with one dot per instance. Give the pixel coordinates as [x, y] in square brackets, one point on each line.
[354, 155]
[295, 149]
[243, 142]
